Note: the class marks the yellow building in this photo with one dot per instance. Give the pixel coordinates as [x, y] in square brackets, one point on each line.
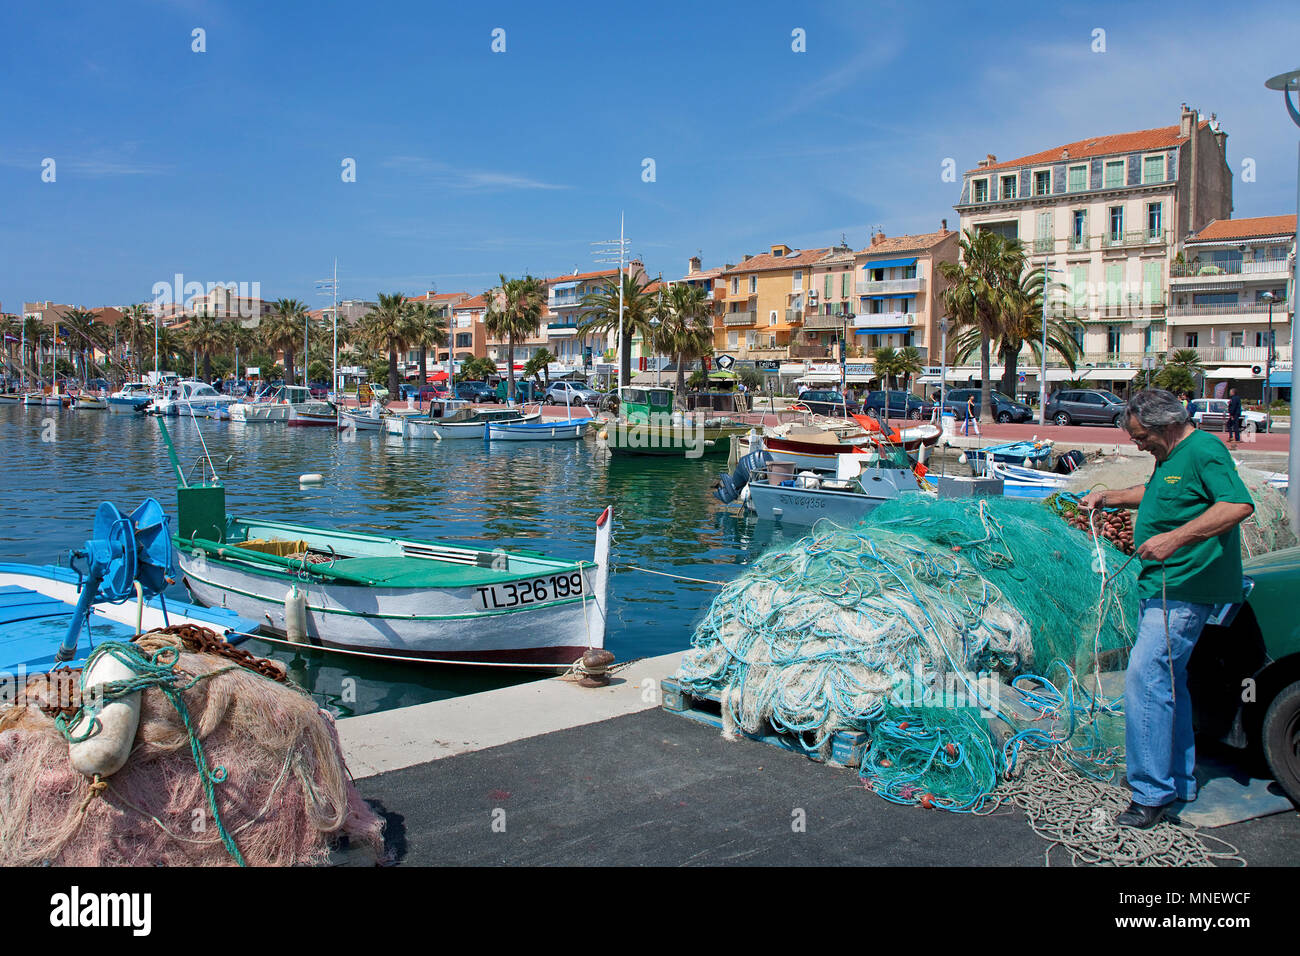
[762, 302]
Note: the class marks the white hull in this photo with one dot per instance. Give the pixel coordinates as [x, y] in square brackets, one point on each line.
[457, 624]
[361, 421]
[245, 412]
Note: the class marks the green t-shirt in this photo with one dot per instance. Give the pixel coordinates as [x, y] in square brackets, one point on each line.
[1198, 473]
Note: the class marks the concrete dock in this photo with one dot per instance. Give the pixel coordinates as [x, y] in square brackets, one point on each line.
[550, 773]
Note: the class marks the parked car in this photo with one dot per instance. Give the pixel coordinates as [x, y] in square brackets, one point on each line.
[319, 390]
[572, 393]
[476, 392]
[1083, 406]
[828, 402]
[1255, 648]
[1212, 413]
[900, 404]
[1005, 409]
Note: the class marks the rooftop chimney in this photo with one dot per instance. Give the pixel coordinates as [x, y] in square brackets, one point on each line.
[878, 238]
[943, 225]
[692, 265]
[1185, 120]
[746, 257]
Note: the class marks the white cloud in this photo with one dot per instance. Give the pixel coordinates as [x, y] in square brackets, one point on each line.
[437, 173]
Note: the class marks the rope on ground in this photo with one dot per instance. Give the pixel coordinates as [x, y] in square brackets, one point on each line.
[1077, 814]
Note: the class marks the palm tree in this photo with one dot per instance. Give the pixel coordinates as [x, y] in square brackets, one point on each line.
[424, 330]
[514, 311]
[1022, 324]
[8, 330]
[283, 329]
[885, 364]
[989, 267]
[33, 332]
[538, 367]
[908, 364]
[206, 336]
[137, 327]
[1180, 371]
[81, 335]
[385, 329]
[600, 314]
[687, 330]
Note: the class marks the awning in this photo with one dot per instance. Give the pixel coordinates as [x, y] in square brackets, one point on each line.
[1280, 380]
[890, 263]
[900, 328]
[1111, 374]
[928, 380]
[1228, 371]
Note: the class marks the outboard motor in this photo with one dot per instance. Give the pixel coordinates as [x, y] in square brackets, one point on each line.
[730, 486]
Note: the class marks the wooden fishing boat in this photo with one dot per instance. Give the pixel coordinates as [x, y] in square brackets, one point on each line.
[363, 420]
[88, 402]
[558, 429]
[472, 423]
[647, 425]
[313, 413]
[10, 398]
[391, 597]
[1036, 452]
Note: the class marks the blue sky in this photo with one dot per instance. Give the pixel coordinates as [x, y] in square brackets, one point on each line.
[225, 165]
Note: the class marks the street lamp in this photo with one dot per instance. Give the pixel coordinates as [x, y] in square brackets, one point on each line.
[654, 341]
[844, 318]
[1285, 83]
[1268, 366]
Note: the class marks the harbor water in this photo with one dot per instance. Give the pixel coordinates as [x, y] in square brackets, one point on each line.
[58, 465]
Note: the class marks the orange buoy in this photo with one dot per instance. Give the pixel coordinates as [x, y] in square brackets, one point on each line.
[927, 801]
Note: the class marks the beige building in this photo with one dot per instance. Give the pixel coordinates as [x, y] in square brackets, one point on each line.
[1221, 288]
[1109, 213]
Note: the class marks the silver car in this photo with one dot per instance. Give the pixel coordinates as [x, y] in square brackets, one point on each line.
[571, 393]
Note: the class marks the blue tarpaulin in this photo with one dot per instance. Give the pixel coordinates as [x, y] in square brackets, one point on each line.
[890, 263]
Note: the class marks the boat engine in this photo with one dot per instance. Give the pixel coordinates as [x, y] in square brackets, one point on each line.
[730, 486]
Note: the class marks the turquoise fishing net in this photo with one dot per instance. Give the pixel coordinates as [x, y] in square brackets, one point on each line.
[907, 628]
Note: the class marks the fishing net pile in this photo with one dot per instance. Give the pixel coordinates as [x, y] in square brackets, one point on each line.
[905, 628]
[256, 777]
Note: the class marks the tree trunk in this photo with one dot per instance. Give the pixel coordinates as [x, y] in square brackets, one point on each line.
[288, 367]
[510, 368]
[986, 386]
[394, 384]
[681, 377]
[424, 368]
[1009, 371]
[625, 358]
[207, 366]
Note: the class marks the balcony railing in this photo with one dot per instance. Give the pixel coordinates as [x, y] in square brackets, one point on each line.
[1133, 237]
[1045, 244]
[1230, 308]
[885, 320]
[563, 299]
[1077, 243]
[1204, 270]
[890, 286]
[764, 352]
[1236, 353]
[793, 316]
[828, 323]
[739, 318]
[810, 352]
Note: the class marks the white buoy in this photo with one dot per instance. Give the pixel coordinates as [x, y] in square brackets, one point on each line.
[311, 479]
[962, 458]
[1028, 463]
[295, 615]
[105, 752]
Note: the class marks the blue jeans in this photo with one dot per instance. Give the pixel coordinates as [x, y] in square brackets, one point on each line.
[1161, 751]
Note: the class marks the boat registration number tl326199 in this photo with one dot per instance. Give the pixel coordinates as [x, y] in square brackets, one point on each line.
[557, 587]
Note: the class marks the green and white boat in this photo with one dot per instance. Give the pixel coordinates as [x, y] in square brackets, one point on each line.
[647, 425]
[388, 597]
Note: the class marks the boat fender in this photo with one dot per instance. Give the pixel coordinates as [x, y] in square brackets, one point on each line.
[105, 753]
[311, 479]
[295, 615]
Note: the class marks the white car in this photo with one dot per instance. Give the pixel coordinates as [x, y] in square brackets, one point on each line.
[569, 393]
[1212, 413]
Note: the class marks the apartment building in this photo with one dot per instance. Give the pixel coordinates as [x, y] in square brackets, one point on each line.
[762, 300]
[469, 334]
[1109, 214]
[565, 295]
[900, 292]
[1231, 297]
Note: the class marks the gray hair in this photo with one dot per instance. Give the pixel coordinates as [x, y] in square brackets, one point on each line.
[1156, 408]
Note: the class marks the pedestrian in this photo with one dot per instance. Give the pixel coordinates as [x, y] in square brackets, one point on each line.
[1189, 543]
[972, 418]
[1234, 417]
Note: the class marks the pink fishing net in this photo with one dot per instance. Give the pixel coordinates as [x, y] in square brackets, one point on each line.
[287, 796]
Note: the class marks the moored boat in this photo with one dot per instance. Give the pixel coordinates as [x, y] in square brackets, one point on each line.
[313, 413]
[130, 398]
[559, 429]
[391, 597]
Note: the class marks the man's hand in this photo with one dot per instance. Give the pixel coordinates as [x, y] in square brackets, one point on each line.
[1159, 547]
[1091, 500]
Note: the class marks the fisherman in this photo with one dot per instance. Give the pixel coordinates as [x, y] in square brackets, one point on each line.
[1189, 543]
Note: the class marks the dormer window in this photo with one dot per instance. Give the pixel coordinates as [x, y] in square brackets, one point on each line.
[1009, 187]
[1153, 169]
[1078, 180]
[1043, 182]
[980, 190]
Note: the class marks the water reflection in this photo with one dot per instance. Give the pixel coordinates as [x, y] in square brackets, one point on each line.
[538, 495]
